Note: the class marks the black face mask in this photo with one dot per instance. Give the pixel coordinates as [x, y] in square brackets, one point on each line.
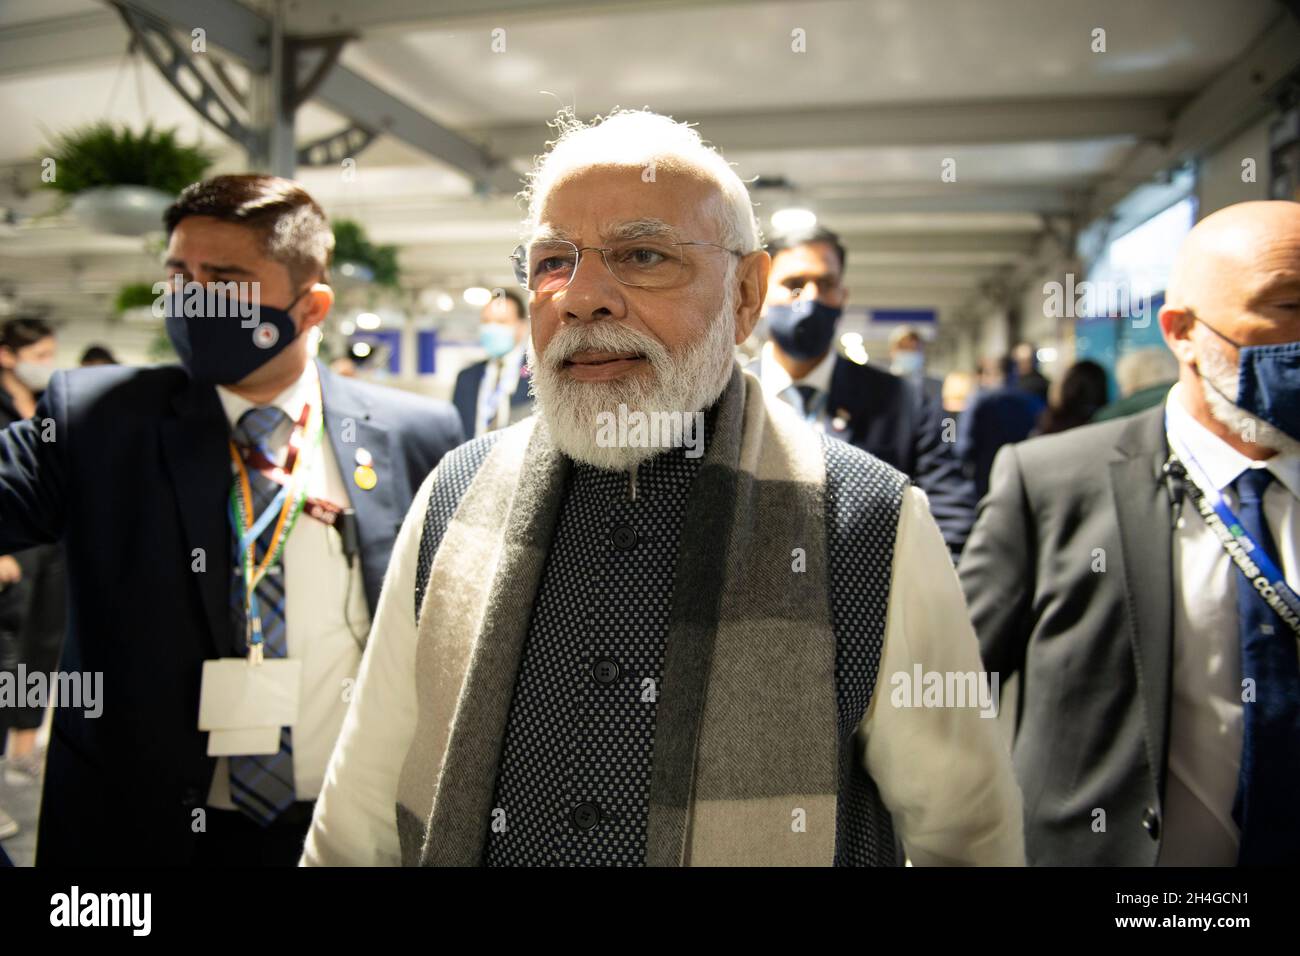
[219, 342]
[803, 328]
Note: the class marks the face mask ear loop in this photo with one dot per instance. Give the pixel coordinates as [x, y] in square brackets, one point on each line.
[1197, 319]
[296, 299]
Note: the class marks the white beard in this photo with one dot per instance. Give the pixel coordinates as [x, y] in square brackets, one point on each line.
[1219, 378]
[681, 382]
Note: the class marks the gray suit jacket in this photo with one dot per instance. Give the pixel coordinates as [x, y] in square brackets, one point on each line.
[1068, 577]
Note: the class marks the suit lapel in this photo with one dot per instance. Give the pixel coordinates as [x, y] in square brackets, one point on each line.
[351, 427]
[194, 443]
[1146, 534]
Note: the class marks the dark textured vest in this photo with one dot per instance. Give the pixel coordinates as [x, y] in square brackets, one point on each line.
[574, 779]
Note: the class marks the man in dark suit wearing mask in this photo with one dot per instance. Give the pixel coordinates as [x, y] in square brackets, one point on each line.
[493, 393]
[1140, 576]
[228, 523]
[880, 412]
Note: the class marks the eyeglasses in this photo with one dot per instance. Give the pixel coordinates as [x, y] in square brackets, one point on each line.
[550, 265]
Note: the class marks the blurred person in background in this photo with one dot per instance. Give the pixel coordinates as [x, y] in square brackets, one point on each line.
[957, 390]
[998, 414]
[1024, 373]
[493, 392]
[893, 418]
[33, 600]
[1074, 398]
[1144, 378]
[97, 355]
[907, 355]
[345, 366]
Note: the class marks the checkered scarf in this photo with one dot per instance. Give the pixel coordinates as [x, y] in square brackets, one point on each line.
[746, 755]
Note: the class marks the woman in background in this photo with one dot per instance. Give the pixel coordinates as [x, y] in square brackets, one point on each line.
[1075, 398]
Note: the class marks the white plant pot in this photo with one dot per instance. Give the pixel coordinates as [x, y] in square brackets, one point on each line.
[122, 210]
[140, 315]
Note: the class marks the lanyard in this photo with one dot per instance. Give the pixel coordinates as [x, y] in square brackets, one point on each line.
[285, 508]
[1259, 570]
[321, 509]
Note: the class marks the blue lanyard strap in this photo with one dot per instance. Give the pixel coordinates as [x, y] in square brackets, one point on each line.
[1254, 563]
[271, 512]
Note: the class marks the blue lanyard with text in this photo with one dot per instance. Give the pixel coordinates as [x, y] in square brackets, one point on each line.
[1259, 570]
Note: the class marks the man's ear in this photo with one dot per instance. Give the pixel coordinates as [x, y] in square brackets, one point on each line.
[1176, 325]
[316, 305]
[752, 278]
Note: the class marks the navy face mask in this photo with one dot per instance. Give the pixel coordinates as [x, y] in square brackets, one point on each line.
[1268, 382]
[218, 344]
[803, 328]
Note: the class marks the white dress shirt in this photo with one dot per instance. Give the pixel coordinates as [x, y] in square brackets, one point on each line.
[944, 773]
[776, 381]
[1205, 728]
[317, 582]
[503, 374]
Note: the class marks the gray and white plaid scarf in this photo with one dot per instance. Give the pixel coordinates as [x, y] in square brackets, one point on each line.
[747, 750]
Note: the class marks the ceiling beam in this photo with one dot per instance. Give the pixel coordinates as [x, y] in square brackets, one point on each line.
[900, 124]
[71, 42]
[246, 35]
[1236, 98]
[327, 16]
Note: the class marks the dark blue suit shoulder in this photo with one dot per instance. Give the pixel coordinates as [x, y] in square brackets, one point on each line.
[114, 389]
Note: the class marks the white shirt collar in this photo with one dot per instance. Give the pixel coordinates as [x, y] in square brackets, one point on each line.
[1220, 462]
[776, 379]
[290, 400]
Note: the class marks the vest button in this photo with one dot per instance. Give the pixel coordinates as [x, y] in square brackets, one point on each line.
[584, 816]
[604, 671]
[623, 538]
[1151, 822]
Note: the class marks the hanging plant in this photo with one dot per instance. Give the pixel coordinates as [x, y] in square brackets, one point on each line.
[377, 264]
[136, 295]
[101, 155]
[120, 181]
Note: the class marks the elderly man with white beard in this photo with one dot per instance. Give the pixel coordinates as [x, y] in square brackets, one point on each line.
[598, 646]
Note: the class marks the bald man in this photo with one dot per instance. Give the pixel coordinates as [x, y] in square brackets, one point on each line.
[1159, 712]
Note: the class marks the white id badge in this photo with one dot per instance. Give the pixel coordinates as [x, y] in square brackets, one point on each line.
[236, 695]
[257, 742]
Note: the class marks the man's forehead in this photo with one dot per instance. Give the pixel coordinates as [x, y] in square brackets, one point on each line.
[608, 202]
[606, 230]
[806, 257]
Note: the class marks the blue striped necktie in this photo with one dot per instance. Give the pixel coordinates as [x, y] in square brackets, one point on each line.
[1267, 807]
[262, 786]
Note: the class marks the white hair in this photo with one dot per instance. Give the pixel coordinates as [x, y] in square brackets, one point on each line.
[650, 142]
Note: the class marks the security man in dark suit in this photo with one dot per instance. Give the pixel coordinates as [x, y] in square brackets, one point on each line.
[238, 508]
[493, 393]
[878, 411]
[1140, 576]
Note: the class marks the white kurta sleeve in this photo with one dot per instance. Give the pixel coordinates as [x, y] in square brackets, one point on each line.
[355, 821]
[944, 772]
